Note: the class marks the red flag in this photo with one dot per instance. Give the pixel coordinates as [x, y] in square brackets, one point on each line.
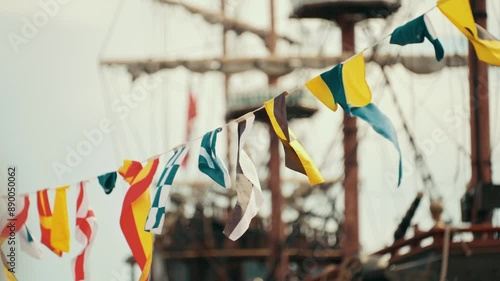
[190, 120]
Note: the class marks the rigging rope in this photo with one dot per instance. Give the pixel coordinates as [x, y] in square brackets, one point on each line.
[241, 118]
[111, 28]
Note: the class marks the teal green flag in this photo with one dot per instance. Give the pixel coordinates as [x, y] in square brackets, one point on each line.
[107, 182]
[382, 125]
[416, 31]
[209, 163]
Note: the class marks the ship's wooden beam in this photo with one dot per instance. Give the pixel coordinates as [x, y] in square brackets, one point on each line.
[251, 253]
[277, 65]
[481, 234]
[228, 23]
[479, 126]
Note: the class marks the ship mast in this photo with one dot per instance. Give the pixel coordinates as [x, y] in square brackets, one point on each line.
[278, 259]
[227, 77]
[480, 127]
[350, 240]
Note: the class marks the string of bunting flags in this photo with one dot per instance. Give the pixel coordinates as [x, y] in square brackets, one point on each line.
[140, 219]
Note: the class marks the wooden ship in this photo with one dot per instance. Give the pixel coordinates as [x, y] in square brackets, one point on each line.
[458, 253]
[194, 248]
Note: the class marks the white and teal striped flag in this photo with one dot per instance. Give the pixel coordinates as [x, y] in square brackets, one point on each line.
[209, 163]
[156, 216]
[247, 186]
[29, 245]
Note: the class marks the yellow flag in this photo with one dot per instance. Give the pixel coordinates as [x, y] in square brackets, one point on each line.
[357, 92]
[318, 86]
[60, 236]
[310, 168]
[460, 14]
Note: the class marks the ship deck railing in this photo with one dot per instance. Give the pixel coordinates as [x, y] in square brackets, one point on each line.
[470, 240]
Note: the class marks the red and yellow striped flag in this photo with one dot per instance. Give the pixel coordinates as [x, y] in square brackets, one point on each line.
[135, 211]
[54, 226]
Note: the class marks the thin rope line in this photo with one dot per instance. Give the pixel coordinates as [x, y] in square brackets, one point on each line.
[188, 143]
[111, 28]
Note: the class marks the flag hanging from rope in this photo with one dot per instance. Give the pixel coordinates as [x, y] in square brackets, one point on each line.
[209, 163]
[107, 182]
[459, 12]
[323, 87]
[356, 90]
[416, 31]
[156, 216]
[29, 245]
[86, 228]
[54, 225]
[296, 158]
[347, 84]
[60, 237]
[247, 185]
[135, 211]
[344, 84]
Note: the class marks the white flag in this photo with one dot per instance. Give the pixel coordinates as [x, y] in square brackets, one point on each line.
[248, 188]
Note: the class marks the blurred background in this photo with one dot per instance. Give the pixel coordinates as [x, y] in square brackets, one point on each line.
[157, 72]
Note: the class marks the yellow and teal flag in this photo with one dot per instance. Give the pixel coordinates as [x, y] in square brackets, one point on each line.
[346, 85]
[459, 13]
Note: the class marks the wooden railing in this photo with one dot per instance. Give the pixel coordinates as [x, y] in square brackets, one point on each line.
[481, 236]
